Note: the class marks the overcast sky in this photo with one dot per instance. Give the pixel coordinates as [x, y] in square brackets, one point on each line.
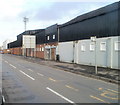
[41, 14]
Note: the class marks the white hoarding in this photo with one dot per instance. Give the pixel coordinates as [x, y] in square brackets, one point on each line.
[29, 41]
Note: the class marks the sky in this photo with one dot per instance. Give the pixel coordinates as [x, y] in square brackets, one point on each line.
[41, 14]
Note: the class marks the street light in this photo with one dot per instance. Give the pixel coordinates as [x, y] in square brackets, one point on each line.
[25, 20]
[93, 39]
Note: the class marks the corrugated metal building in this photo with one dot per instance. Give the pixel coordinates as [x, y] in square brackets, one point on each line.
[75, 44]
[102, 22]
[40, 37]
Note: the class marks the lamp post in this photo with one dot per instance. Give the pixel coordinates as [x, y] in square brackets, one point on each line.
[25, 20]
[93, 39]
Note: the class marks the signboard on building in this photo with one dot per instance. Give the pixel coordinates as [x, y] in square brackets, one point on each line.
[29, 41]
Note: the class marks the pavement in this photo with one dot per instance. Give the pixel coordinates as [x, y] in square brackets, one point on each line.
[106, 74]
[30, 80]
[0, 79]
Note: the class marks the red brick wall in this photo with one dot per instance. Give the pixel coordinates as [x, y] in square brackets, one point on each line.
[39, 52]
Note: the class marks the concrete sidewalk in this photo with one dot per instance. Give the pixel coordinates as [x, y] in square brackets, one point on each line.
[106, 74]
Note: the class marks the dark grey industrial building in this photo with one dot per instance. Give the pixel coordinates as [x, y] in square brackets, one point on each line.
[103, 22]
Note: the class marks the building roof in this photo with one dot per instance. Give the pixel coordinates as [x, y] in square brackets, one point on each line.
[30, 32]
[95, 13]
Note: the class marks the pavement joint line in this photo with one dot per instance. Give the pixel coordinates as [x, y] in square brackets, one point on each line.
[82, 69]
[60, 95]
[27, 75]
[71, 88]
[89, 78]
[98, 99]
[95, 79]
[30, 70]
[12, 66]
[40, 74]
[52, 79]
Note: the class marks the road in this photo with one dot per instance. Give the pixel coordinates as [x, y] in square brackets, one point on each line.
[27, 82]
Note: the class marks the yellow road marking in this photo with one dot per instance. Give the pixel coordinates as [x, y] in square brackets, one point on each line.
[109, 93]
[110, 90]
[52, 79]
[113, 91]
[99, 99]
[113, 96]
[100, 88]
[71, 87]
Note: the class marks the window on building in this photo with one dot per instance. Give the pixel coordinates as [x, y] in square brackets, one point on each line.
[117, 46]
[42, 48]
[103, 46]
[35, 49]
[53, 36]
[48, 37]
[92, 46]
[82, 47]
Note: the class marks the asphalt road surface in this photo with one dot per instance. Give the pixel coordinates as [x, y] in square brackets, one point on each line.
[27, 82]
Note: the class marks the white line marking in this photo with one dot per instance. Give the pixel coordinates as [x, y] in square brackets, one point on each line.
[30, 70]
[12, 66]
[0, 90]
[59, 95]
[3, 99]
[27, 75]
[40, 74]
[6, 61]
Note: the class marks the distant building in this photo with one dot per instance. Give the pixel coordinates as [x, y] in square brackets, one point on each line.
[5, 43]
[1, 48]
